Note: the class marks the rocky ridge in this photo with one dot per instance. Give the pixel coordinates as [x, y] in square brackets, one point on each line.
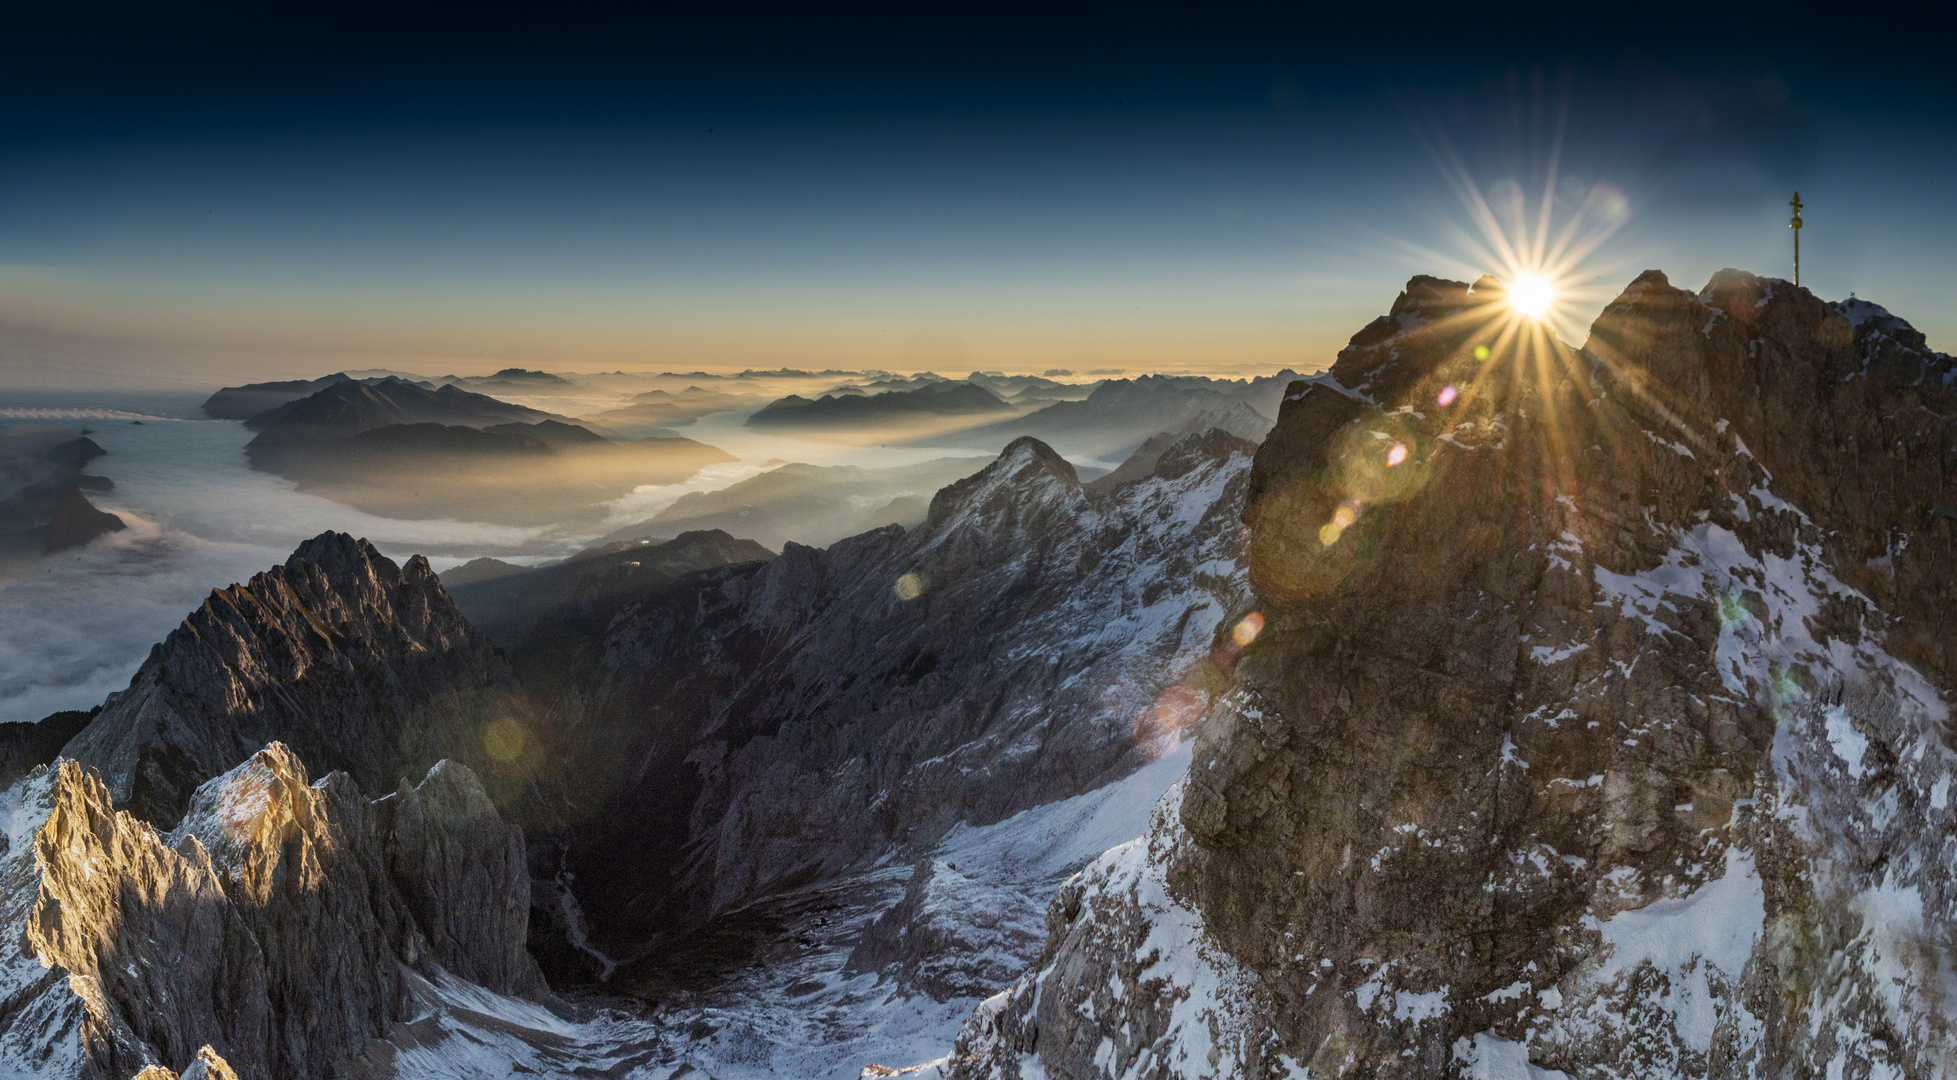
[1599, 724]
[789, 723]
[283, 928]
[358, 664]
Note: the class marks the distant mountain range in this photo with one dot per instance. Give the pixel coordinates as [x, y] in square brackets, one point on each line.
[928, 402]
[346, 407]
[808, 504]
[659, 408]
[401, 449]
[251, 399]
[1119, 416]
[42, 506]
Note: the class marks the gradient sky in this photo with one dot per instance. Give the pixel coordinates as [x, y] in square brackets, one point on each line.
[224, 195]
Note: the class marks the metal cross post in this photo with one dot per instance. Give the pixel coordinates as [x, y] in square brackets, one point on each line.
[1795, 225]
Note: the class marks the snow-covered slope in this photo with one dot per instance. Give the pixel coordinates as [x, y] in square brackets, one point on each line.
[780, 726]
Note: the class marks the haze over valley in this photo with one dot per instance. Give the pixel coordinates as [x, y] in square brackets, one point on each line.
[219, 486]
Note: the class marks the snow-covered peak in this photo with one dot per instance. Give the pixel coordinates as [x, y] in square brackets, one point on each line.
[1027, 472]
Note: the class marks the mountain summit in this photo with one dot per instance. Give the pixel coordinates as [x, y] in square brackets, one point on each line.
[1598, 724]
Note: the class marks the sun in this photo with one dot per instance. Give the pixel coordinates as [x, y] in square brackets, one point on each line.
[1532, 295]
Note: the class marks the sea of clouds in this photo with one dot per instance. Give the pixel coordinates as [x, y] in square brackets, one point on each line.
[76, 628]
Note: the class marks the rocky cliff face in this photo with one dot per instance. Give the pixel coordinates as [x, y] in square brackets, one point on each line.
[759, 728]
[279, 930]
[356, 663]
[1598, 725]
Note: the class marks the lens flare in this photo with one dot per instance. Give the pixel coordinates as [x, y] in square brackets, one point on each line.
[909, 586]
[1447, 396]
[1534, 219]
[502, 740]
[1247, 629]
[1342, 519]
[1396, 455]
[1532, 295]
[1159, 729]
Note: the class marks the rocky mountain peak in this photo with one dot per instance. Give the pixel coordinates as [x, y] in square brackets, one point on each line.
[258, 823]
[1027, 454]
[1194, 451]
[356, 663]
[1431, 320]
[777, 727]
[282, 928]
[1870, 319]
[1553, 752]
[1026, 470]
[209, 1065]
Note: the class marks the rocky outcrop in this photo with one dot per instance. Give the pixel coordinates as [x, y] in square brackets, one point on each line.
[282, 927]
[949, 936]
[756, 729]
[1597, 727]
[209, 1065]
[356, 663]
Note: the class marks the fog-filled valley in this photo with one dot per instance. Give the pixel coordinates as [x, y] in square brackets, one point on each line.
[529, 468]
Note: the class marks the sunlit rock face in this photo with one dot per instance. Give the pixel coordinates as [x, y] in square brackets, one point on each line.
[1598, 725]
[755, 729]
[357, 663]
[279, 930]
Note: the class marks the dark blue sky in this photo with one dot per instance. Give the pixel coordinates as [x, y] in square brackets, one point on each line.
[225, 190]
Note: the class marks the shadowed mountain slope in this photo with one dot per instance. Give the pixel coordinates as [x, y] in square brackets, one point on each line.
[505, 607]
[781, 724]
